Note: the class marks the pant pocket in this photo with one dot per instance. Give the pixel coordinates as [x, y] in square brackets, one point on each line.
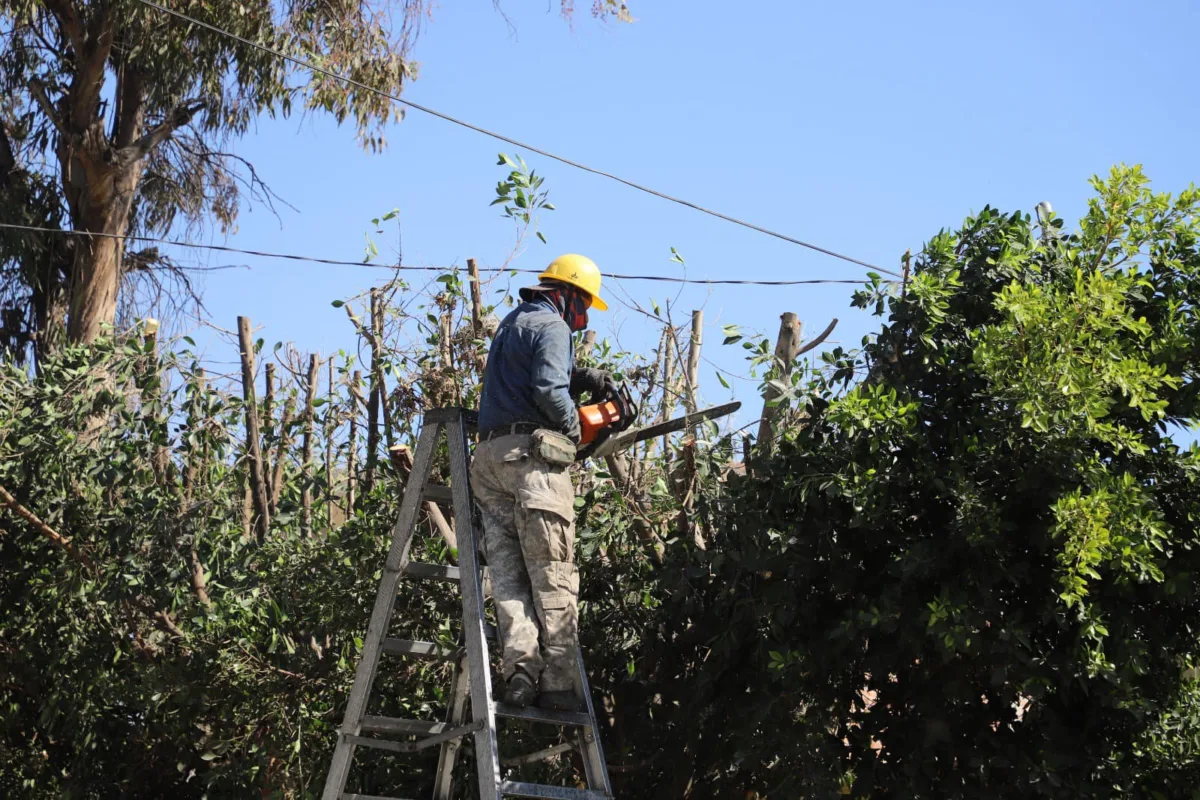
[559, 619]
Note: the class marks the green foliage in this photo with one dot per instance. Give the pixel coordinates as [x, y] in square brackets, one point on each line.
[968, 570]
[118, 677]
[971, 572]
[522, 195]
[123, 673]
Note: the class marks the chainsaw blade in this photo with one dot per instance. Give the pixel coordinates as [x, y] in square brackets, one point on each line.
[627, 438]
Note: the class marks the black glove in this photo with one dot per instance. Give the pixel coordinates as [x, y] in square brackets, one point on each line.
[598, 383]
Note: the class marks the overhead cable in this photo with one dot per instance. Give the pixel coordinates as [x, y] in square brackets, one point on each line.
[394, 98]
[407, 267]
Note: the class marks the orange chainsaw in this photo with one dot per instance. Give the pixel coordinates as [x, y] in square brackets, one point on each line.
[607, 427]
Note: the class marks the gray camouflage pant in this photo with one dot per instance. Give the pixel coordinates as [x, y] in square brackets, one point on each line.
[529, 542]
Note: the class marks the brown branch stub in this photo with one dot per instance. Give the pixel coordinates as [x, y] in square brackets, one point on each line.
[306, 496]
[258, 481]
[477, 331]
[787, 346]
[41, 527]
[164, 621]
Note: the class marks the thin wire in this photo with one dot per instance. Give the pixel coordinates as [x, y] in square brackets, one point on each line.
[308, 65]
[339, 263]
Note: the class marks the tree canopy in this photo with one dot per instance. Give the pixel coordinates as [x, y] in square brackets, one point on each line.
[119, 120]
[971, 571]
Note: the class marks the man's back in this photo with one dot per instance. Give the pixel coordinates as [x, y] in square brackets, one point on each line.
[529, 372]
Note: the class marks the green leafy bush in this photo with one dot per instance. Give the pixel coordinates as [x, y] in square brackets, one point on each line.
[970, 571]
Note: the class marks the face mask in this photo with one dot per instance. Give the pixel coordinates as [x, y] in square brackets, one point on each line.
[575, 313]
[572, 305]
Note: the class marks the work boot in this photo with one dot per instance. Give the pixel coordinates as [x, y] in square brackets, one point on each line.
[560, 701]
[520, 690]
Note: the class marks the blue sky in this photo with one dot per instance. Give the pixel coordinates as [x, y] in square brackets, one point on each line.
[861, 127]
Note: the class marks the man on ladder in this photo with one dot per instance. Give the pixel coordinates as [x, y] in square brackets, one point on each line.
[528, 432]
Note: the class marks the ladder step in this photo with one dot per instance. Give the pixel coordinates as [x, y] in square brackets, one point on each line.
[426, 650]
[416, 727]
[348, 796]
[437, 572]
[519, 789]
[438, 494]
[539, 755]
[420, 744]
[544, 715]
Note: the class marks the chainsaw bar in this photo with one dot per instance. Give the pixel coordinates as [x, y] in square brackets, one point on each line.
[627, 438]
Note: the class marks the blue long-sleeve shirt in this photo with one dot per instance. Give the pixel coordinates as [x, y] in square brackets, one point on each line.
[528, 372]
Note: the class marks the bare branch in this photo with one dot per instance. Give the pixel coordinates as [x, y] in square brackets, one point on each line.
[181, 116]
[54, 536]
[71, 24]
[131, 106]
[89, 76]
[39, 94]
[817, 341]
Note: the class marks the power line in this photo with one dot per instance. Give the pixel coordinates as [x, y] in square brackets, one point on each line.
[406, 267]
[308, 65]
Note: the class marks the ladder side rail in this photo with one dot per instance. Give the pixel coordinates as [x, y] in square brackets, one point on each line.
[588, 739]
[455, 716]
[487, 755]
[381, 615]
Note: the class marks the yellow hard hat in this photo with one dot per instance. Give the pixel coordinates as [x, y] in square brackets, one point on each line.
[578, 271]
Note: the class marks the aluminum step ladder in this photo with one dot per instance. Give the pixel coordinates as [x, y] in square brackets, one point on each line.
[472, 710]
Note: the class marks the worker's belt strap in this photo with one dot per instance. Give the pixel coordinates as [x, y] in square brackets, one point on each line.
[508, 430]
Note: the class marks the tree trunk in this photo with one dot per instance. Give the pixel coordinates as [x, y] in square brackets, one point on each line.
[477, 318]
[786, 348]
[258, 481]
[693, 368]
[100, 174]
[268, 421]
[374, 398]
[281, 452]
[306, 471]
[669, 398]
[330, 429]
[352, 446]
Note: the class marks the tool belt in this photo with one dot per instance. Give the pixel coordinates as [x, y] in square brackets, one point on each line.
[510, 430]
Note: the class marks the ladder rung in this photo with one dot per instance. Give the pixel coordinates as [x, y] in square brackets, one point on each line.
[544, 715]
[539, 755]
[437, 572]
[438, 494]
[415, 727]
[347, 796]
[420, 744]
[518, 789]
[426, 650]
